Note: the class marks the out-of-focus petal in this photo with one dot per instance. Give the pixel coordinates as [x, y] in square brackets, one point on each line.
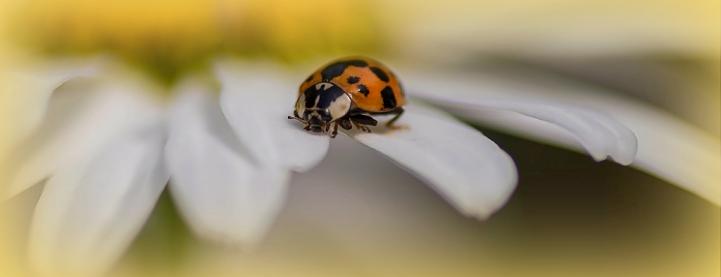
[600, 135]
[91, 210]
[667, 147]
[257, 102]
[460, 163]
[221, 192]
[25, 91]
[81, 117]
[675, 150]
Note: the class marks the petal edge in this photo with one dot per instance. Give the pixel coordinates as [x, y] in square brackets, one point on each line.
[460, 163]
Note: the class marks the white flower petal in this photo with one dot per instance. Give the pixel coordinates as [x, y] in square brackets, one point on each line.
[221, 192]
[257, 102]
[674, 150]
[81, 119]
[25, 91]
[667, 147]
[460, 163]
[91, 210]
[599, 134]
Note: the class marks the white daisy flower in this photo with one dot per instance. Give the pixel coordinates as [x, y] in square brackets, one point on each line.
[107, 146]
[105, 141]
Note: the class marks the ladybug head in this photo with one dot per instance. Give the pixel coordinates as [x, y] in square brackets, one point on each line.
[321, 104]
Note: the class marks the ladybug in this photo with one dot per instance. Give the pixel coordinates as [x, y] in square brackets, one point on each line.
[348, 92]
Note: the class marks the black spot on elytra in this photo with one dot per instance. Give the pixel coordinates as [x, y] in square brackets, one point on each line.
[353, 79]
[336, 69]
[389, 100]
[380, 73]
[363, 89]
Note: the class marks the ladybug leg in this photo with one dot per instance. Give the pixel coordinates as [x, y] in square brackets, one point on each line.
[335, 130]
[345, 123]
[360, 121]
[361, 127]
[398, 112]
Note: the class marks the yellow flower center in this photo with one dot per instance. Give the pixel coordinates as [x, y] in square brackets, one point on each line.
[170, 36]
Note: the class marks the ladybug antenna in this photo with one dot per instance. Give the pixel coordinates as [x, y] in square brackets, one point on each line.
[298, 118]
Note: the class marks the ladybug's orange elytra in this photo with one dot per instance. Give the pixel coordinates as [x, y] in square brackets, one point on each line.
[347, 92]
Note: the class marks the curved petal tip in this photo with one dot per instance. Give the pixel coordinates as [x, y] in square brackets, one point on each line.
[223, 193]
[460, 163]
